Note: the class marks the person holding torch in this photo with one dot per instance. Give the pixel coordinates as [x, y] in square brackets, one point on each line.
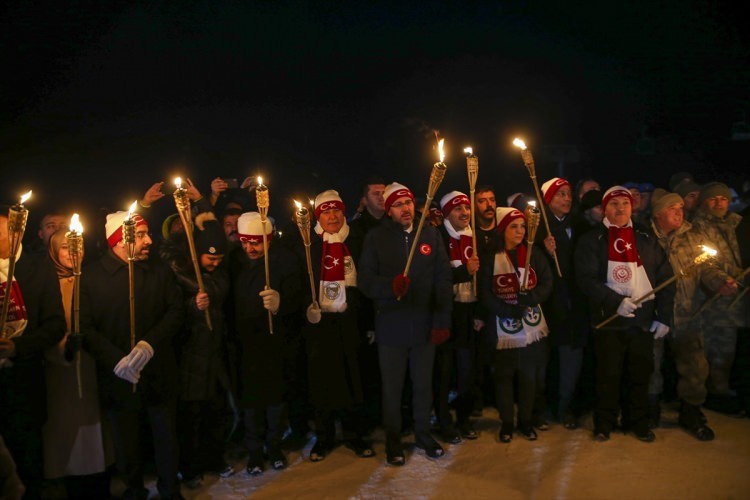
[615, 264]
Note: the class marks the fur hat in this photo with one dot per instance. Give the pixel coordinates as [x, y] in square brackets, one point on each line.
[614, 192]
[452, 200]
[250, 228]
[551, 187]
[662, 199]
[393, 192]
[328, 200]
[113, 226]
[506, 215]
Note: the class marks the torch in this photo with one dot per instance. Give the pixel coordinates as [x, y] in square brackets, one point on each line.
[302, 216]
[528, 161]
[182, 202]
[532, 224]
[436, 177]
[17, 217]
[716, 296]
[262, 200]
[128, 236]
[472, 169]
[74, 237]
[707, 254]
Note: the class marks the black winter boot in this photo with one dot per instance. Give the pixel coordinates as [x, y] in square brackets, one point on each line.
[692, 420]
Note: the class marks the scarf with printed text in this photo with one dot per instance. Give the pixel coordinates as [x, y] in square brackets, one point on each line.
[625, 272]
[460, 249]
[337, 270]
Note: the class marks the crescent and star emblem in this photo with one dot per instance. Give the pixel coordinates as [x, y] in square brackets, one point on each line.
[334, 262]
[504, 281]
[467, 252]
[627, 246]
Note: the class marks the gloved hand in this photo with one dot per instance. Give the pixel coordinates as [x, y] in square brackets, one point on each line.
[370, 337]
[627, 308]
[400, 285]
[73, 345]
[313, 314]
[525, 299]
[659, 329]
[140, 355]
[439, 335]
[271, 300]
[125, 373]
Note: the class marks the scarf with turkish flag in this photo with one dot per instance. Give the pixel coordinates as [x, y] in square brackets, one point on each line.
[337, 270]
[513, 333]
[18, 317]
[460, 248]
[625, 272]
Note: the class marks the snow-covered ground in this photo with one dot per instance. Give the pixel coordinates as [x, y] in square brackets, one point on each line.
[562, 464]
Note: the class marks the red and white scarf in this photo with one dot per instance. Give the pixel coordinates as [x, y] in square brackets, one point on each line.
[625, 272]
[506, 282]
[18, 317]
[337, 270]
[460, 249]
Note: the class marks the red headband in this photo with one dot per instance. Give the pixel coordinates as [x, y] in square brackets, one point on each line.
[510, 217]
[399, 193]
[114, 238]
[254, 238]
[454, 202]
[329, 205]
[554, 188]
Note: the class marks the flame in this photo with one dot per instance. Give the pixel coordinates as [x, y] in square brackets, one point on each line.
[178, 182]
[75, 224]
[132, 208]
[519, 143]
[260, 180]
[312, 202]
[532, 203]
[440, 149]
[709, 251]
[469, 150]
[298, 205]
[25, 197]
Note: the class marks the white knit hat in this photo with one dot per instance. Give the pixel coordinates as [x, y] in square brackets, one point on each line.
[250, 227]
[113, 226]
[506, 215]
[452, 200]
[551, 187]
[327, 200]
[393, 192]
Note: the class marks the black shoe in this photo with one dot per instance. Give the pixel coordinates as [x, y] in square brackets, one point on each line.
[450, 435]
[255, 464]
[427, 443]
[692, 420]
[319, 451]
[193, 482]
[394, 450]
[277, 459]
[644, 434]
[506, 433]
[467, 430]
[222, 470]
[601, 435]
[360, 448]
[570, 422]
[294, 441]
[528, 432]
[540, 423]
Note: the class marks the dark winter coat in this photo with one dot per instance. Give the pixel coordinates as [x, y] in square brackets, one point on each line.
[429, 300]
[202, 354]
[591, 259]
[105, 319]
[261, 374]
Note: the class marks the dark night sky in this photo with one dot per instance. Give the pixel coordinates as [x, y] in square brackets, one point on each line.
[100, 99]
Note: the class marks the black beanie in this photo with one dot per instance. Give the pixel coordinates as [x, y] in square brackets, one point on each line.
[211, 240]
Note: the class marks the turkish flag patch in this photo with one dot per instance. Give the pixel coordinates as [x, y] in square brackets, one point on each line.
[425, 249]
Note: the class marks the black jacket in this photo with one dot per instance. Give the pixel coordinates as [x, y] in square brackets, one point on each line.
[591, 259]
[105, 318]
[429, 300]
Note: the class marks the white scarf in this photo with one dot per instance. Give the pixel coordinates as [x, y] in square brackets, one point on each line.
[337, 270]
[459, 251]
[625, 272]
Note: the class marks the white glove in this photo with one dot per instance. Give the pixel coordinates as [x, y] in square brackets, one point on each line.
[140, 355]
[314, 314]
[370, 337]
[627, 308]
[125, 373]
[271, 300]
[659, 329]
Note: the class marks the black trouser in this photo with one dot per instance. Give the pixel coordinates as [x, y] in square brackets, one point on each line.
[528, 364]
[24, 442]
[263, 426]
[450, 360]
[203, 431]
[125, 434]
[622, 353]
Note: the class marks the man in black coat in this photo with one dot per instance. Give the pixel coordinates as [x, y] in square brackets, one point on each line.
[136, 376]
[616, 264]
[413, 314]
[35, 322]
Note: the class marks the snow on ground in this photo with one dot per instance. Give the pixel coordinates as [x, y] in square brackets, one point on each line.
[562, 464]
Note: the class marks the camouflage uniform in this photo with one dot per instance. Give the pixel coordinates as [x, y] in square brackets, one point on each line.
[721, 322]
[682, 246]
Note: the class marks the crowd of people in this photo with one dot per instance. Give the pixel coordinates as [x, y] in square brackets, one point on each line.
[606, 307]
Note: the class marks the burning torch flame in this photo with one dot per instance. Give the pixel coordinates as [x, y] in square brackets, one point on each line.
[519, 143]
[709, 251]
[532, 203]
[260, 180]
[178, 182]
[75, 224]
[298, 205]
[440, 149]
[25, 197]
[469, 150]
[132, 208]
